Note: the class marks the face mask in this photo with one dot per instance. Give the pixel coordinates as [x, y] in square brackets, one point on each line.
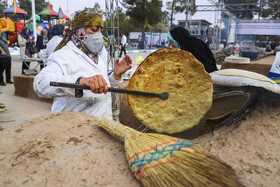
[94, 42]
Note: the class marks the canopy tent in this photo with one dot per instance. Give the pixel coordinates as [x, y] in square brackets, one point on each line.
[49, 12]
[14, 9]
[62, 15]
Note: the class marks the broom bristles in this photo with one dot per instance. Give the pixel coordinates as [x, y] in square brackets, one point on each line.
[161, 160]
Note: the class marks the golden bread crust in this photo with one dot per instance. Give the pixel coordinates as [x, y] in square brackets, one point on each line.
[190, 90]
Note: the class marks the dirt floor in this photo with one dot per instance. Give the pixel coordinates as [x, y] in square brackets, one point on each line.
[19, 109]
[62, 149]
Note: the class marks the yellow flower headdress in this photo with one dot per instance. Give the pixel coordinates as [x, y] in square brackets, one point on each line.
[82, 20]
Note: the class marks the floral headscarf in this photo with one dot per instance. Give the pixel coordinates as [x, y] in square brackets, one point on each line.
[81, 21]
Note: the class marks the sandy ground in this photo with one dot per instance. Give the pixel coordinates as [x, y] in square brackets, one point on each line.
[20, 109]
[250, 143]
[62, 149]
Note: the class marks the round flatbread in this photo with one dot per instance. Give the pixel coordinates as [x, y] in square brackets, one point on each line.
[190, 91]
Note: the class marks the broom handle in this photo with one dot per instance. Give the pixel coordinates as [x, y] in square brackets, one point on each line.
[163, 95]
[116, 129]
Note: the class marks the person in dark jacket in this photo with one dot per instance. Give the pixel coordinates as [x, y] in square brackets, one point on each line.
[40, 44]
[66, 31]
[5, 62]
[180, 38]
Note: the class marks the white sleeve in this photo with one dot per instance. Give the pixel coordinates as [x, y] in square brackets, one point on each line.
[53, 72]
[21, 41]
[125, 40]
[45, 56]
[114, 83]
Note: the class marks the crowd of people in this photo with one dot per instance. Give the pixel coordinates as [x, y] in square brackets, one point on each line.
[272, 46]
[44, 46]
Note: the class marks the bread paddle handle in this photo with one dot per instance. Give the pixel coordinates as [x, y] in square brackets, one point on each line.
[163, 95]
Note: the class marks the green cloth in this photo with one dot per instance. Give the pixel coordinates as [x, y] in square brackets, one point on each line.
[37, 18]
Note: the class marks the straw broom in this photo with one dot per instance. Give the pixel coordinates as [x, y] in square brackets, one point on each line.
[161, 160]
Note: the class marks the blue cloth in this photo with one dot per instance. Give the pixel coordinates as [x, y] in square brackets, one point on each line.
[172, 39]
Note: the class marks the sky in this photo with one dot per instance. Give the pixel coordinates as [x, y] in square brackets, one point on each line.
[74, 5]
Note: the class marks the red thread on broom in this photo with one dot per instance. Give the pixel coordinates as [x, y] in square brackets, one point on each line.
[147, 167]
[153, 148]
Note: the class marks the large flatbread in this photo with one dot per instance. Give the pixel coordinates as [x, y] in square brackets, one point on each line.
[190, 91]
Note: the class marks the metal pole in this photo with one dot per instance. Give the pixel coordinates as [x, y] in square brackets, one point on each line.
[67, 9]
[34, 19]
[190, 17]
[112, 14]
[187, 12]
[118, 22]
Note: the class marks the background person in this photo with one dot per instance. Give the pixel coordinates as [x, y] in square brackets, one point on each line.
[5, 61]
[268, 47]
[41, 44]
[123, 43]
[46, 37]
[31, 48]
[23, 39]
[81, 58]
[57, 35]
[181, 38]
[66, 31]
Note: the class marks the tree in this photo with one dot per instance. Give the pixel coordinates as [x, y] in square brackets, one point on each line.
[3, 6]
[160, 27]
[165, 19]
[272, 9]
[176, 6]
[26, 5]
[96, 9]
[144, 11]
[173, 7]
[126, 24]
[246, 10]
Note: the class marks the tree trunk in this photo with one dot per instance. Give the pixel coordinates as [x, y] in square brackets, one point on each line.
[172, 12]
[142, 46]
[171, 18]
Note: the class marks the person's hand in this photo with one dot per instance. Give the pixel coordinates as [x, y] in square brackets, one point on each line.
[4, 53]
[96, 83]
[123, 66]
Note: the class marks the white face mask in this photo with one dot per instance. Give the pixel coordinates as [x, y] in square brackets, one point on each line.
[94, 42]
